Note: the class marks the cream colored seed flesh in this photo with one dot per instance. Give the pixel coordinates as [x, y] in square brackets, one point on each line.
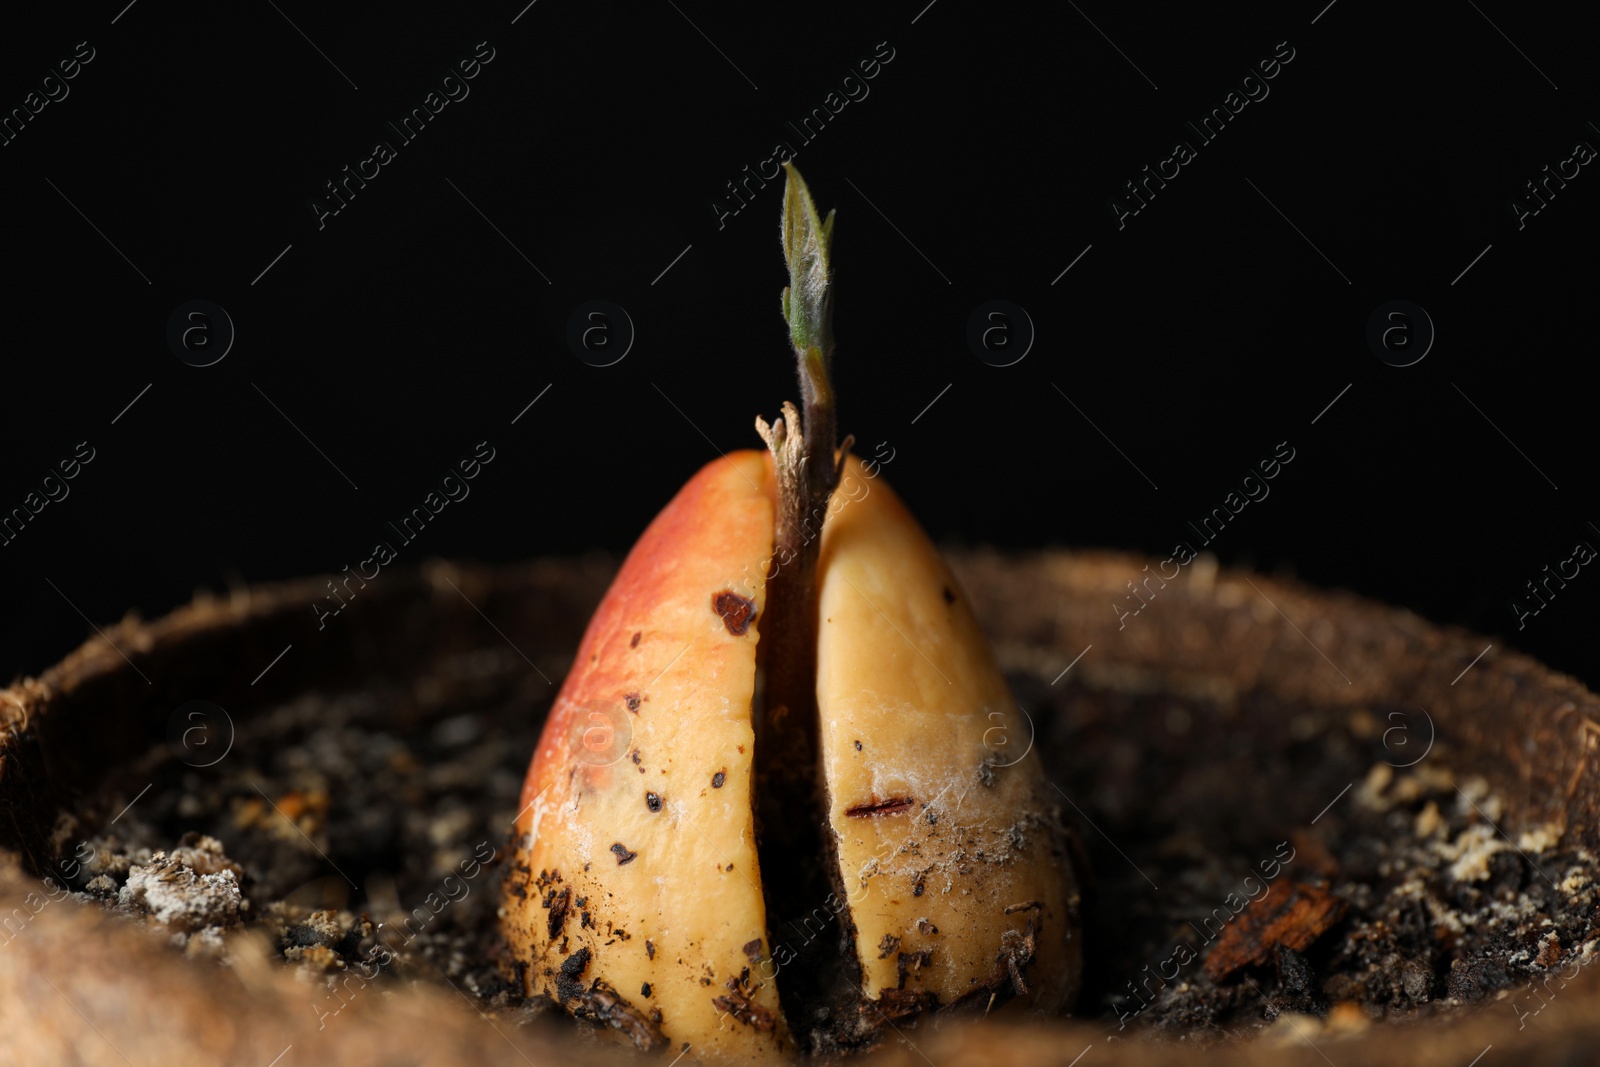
[948, 837]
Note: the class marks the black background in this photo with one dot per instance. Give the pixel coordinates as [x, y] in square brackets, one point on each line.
[407, 330]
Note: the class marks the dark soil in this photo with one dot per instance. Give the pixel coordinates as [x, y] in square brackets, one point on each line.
[368, 827]
[358, 836]
[1442, 912]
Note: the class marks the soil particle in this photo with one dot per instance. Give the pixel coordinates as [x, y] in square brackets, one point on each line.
[739, 1005]
[1475, 979]
[1417, 980]
[603, 1004]
[896, 1005]
[559, 901]
[177, 896]
[317, 930]
[1007, 979]
[572, 968]
[908, 964]
[1300, 991]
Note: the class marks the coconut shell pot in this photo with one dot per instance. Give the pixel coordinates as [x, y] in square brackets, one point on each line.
[1234, 715]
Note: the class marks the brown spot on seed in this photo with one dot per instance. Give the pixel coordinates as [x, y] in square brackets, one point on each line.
[649, 948]
[752, 950]
[949, 597]
[635, 642]
[717, 780]
[858, 746]
[652, 801]
[892, 806]
[888, 946]
[623, 855]
[737, 612]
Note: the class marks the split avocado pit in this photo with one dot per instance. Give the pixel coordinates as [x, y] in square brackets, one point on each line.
[944, 884]
[763, 817]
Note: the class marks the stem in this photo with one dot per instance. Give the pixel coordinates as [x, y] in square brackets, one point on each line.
[807, 465]
[807, 468]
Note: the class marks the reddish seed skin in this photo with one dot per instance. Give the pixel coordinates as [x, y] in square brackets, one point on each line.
[699, 526]
[657, 705]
